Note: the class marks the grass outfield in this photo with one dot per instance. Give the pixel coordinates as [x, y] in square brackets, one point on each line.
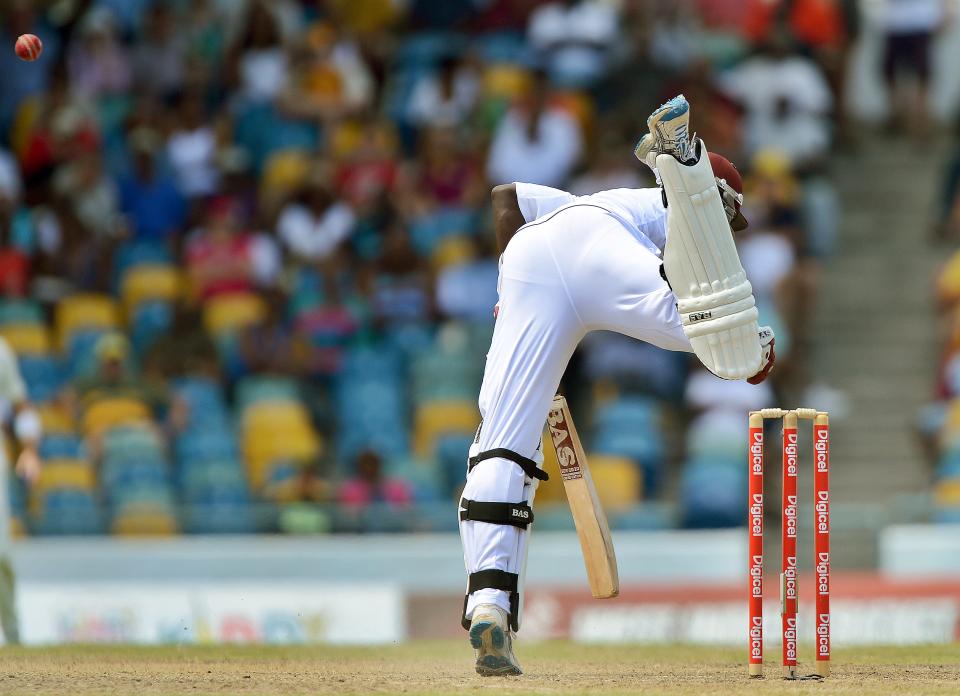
[446, 668]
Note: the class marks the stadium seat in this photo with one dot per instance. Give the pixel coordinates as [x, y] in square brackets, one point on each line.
[442, 417]
[105, 414]
[150, 282]
[145, 520]
[60, 446]
[251, 390]
[229, 313]
[43, 375]
[84, 311]
[68, 512]
[505, 82]
[61, 474]
[14, 311]
[551, 490]
[27, 339]
[618, 481]
[713, 496]
[946, 494]
[133, 254]
[151, 319]
[56, 419]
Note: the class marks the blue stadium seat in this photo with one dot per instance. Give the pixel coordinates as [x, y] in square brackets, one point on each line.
[133, 254]
[69, 512]
[150, 321]
[713, 496]
[43, 375]
[14, 311]
[61, 446]
[81, 358]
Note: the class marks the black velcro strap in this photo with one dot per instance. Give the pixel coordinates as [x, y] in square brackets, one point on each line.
[516, 514]
[494, 579]
[529, 466]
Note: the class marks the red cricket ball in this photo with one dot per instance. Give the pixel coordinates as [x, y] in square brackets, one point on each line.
[29, 47]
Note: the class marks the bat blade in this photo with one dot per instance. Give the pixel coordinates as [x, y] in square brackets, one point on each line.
[588, 515]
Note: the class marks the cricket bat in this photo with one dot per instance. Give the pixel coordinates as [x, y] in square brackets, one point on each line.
[592, 528]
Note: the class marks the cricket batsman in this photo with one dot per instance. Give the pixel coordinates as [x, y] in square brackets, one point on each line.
[657, 264]
[27, 429]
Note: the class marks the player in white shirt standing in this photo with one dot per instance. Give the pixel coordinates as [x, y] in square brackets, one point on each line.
[27, 430]
[581, 264]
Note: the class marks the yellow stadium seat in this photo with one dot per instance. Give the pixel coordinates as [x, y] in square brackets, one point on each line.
[145, 520]
[56, 420]
[440, 417]
[617, 479]
[18, 530]
[104, 414]
[84, 311]
[951, 424]
[947, 493]
[505, 81]
[551, 490]
[276, 431]
[227, 313]
[57, 474]
[284, 173]
[274, 412]
[452, 250]
[150, 282]
[27, 339]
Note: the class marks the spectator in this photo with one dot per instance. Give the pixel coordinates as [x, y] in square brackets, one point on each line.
[219, 255]
[577, 39]
[267, 347]
[192, 148]
[786, 99]
[314, 225]
[99, 62]
[330, 79]
[155, 208]
[257, 62]
[611, 166]
[367, 153]
[910, 26]
[159, 59]
[446, 98]
[370, 486]
[448, 175]
[92, 196]
[114, 378]
[184, 350]
[535, 142]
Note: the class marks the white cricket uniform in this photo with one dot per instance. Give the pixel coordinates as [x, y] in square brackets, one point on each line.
[12, 391]
[580, 264]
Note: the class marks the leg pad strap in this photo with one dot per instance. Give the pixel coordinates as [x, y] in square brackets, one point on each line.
[515, 514]
[529, 466]
[494, 579]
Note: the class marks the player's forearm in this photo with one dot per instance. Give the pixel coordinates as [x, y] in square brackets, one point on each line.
[507, 218]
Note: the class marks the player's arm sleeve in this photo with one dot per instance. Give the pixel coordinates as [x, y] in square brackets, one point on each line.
[535, 200]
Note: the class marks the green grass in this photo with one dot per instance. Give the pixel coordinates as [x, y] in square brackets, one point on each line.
[433, 668]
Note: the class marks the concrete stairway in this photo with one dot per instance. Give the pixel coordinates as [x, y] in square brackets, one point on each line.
[875, 330]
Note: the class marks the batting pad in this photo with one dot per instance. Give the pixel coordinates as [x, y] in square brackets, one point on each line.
[714, 298]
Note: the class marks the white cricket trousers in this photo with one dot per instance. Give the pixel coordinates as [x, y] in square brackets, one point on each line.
[576, 270]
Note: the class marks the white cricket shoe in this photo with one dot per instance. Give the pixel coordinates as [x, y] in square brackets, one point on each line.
[491, 638]
[669, 133]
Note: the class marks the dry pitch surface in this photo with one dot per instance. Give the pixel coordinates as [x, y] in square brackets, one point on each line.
[446, 668]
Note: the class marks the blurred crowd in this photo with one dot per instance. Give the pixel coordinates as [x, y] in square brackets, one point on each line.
[248, 266]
